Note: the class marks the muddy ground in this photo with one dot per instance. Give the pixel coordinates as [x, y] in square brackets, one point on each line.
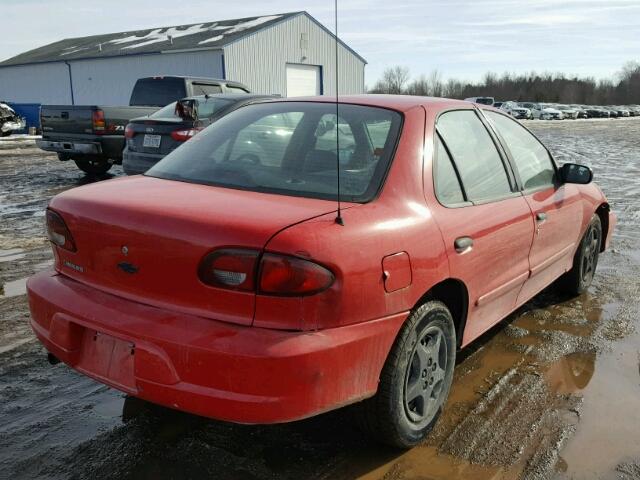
[552, 392]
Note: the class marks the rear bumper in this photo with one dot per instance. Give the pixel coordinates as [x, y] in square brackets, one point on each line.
[70, 147]
[210, 368]
[134, 163]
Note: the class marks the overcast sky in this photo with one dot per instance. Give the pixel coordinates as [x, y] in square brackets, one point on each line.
[460, 38]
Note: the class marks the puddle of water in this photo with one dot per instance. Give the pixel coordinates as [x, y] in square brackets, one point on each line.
[14, 288]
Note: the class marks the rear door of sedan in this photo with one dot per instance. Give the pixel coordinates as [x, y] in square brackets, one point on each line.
[555, 207]
[485, 222]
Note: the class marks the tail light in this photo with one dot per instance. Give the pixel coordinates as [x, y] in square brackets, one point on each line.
[282, 275]
[184, 135]
[291, 276]
[230, 268]
[129, 132]
[97, 118]
[58, 232]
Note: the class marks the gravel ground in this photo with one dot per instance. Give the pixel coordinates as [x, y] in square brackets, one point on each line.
[552, 392]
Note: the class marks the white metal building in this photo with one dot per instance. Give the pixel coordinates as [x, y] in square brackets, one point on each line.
[290, 54]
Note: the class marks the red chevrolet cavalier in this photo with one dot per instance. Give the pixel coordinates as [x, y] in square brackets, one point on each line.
[225, 281]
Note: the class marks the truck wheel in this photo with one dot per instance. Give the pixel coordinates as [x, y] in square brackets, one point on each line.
[579, 278]
[415, 380]
[93, 167]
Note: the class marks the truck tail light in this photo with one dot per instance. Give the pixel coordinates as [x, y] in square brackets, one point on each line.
[129, 132]
[184, 135]
[273, 274]
[97, 118]
[58, 232]
[292, 276]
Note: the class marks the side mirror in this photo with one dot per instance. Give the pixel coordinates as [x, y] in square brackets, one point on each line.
[574, 173]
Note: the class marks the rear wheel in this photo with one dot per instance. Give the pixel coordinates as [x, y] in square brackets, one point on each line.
[93, 167]
[579, 278]
[415, 380]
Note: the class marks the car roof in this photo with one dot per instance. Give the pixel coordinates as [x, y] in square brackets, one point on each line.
[400, 103]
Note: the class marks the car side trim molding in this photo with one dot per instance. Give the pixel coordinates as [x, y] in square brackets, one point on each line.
[552, 259]
[502, 289]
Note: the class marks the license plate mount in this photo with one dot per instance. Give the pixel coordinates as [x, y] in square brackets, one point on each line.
[151, 141]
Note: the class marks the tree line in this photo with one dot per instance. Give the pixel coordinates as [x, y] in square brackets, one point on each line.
[545, 87]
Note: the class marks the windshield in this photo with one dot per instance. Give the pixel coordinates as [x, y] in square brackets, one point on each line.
[206, 108]
[291, 148]
[484, 100]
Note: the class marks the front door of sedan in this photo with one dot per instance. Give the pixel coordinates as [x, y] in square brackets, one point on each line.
[556, 208]
[485, 222]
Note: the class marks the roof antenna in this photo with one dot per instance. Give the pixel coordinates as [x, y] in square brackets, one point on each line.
[339, 220]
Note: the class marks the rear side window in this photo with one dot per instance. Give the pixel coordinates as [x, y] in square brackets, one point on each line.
[157, 92]
[532, 160]
[290, 148]
[206, 108]
[236, 89]
[476, 157]
[205, 89]
[448, 190]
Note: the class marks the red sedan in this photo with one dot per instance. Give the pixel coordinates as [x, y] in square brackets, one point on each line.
[225, 282]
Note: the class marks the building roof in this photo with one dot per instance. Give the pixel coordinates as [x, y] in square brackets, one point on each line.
[197, 36]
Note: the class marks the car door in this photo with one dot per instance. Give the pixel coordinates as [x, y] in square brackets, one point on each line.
[485, 222]
[556, 208]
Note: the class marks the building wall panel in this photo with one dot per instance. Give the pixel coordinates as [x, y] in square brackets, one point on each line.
[37, 83]
[260, 60]
[109, 81]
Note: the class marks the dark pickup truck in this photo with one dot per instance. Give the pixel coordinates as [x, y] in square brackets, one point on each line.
[93, 135]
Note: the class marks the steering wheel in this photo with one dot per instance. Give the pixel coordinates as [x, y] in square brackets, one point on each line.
[251, 158]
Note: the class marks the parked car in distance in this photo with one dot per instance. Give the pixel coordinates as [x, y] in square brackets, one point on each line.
[9, 120]
[597, 112]
[93, 135]
[516, 111]
[581, 109]
[481, 100]
[230, 284]
[548, 111]
[497, 104]
[150, 139]
[567, 112]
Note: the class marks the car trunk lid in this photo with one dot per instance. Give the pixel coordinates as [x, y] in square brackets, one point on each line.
[143, 238]
[154, 135]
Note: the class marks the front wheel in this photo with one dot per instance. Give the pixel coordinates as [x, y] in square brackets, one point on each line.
[415, 380]
[93, 167]
[579, 278]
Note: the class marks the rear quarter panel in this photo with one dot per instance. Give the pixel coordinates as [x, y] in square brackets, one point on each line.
[397, 221]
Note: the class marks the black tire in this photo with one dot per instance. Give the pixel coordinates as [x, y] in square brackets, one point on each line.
[5, 134]
[392, 416]
[577, 280]
[93, 167]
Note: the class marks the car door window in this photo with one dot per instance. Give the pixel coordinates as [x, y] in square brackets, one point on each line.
[447, 185]
[475, 155]
[532, 159]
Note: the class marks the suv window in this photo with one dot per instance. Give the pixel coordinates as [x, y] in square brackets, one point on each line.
[448, 190]
[205, 89]
[532, 160]
[157, 92]
[236, 89]
[476, 157]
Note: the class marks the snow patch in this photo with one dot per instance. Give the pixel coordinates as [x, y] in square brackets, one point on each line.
[251, 23]
[212, 39]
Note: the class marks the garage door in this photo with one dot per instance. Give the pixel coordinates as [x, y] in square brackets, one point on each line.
[303, 80]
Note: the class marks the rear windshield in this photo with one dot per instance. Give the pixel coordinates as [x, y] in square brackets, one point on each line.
[206, 108]
[291, 148]
[157, 92]
[484, 101]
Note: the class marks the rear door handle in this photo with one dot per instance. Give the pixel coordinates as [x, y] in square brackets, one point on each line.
[463, 244]
[541, 217]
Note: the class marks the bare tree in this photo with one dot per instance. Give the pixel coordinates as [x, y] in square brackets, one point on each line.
[393, 81]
